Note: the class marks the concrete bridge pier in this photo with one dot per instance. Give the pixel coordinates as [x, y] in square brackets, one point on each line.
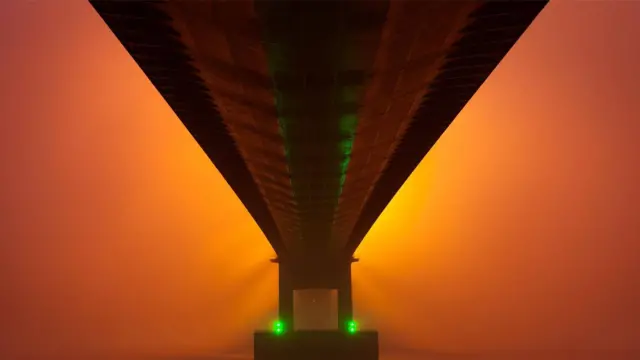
[285, 296]
[313, 286]
[345, 299]
[315, 314]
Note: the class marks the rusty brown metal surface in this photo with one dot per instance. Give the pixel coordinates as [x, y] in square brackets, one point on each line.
[323, 56]
[225, 41]
[491, 30]
[316, 112]
[416, 39]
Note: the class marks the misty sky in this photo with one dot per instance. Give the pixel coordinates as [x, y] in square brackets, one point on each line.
[520, 230]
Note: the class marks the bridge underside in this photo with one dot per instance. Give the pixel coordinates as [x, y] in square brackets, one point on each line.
[316, 112]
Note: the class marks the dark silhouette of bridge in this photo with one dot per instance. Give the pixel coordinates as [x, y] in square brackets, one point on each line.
[316, 112]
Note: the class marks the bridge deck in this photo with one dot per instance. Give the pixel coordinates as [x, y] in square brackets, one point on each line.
[317, 112]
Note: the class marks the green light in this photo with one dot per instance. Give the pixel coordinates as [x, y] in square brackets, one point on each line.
[352, 327]
[278, 327]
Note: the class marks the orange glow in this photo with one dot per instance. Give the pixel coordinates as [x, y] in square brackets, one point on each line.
[519, 230]
[516, 231]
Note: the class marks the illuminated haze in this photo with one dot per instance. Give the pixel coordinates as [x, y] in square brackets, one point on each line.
[520, 230]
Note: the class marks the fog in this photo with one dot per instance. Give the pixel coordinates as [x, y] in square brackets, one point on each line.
[518, 234]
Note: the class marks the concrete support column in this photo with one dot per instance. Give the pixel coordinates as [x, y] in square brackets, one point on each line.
[314, 278]
[285, 295]
[345, 299]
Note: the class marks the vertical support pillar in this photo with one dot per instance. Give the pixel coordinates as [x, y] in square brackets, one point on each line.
[345, 300]
[285, 296]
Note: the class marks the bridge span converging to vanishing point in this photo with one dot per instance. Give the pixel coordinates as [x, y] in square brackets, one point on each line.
[315, 113]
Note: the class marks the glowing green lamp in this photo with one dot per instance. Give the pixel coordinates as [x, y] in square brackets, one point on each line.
[352, 327]
[278, 327]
